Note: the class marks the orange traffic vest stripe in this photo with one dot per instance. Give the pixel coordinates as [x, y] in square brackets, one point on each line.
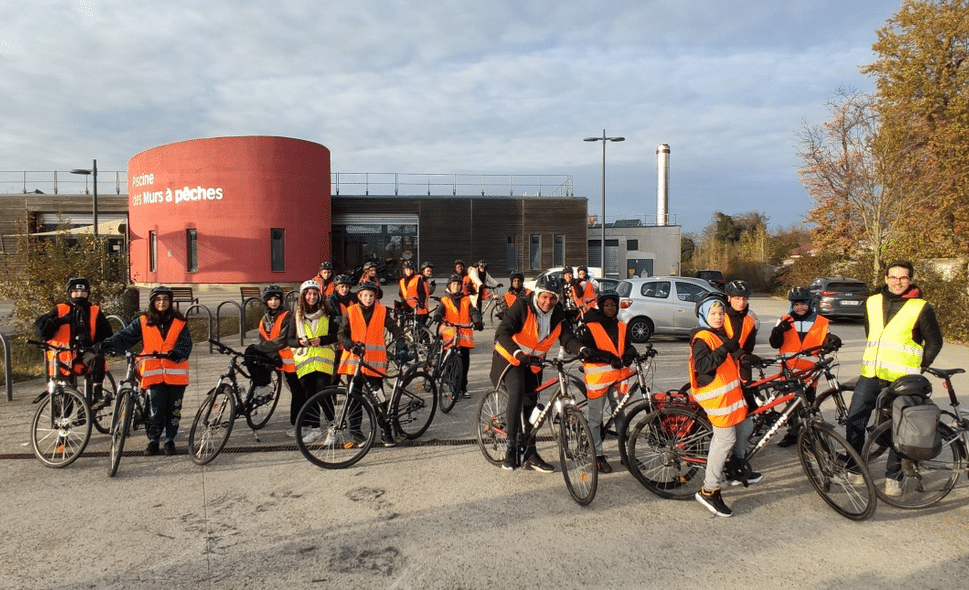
[372, 336]
[792, 341]
[511, 298]
[285, 353]
[457, 315]
[155, 371]
[723, 398]
[600, 376]
[62, 337]
[527, 340]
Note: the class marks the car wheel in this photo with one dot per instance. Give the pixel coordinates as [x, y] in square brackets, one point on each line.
[640, 330]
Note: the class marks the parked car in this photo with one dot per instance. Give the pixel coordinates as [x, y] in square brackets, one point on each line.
[839, 296]
[660, 305]
[557, 273]
[714, 277]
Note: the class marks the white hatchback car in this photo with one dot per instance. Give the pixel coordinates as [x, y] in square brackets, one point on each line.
[660, 305]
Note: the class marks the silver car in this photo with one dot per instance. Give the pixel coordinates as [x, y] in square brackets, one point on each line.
[660, 305]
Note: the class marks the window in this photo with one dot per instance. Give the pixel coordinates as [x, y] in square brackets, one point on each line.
[535, 252]
[656, 290]
[192, 250]
[511, 253]
[689, 292]
[632, 245]
[558, 250]
[152, 251]
[277, 254]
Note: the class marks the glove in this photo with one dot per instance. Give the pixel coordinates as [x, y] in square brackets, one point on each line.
[751, 360]
[783, 326]
[586, 353]
[532, 361]
[832, 342]
[358, 349]
[172, 356]
[402, 354]
[629, 358]
[615, 362]
[731, 345]
[478, 326]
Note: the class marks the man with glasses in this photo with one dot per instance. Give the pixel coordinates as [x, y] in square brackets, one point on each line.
[903, 338]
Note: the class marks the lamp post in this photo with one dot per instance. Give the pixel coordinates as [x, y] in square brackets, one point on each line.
[93, 171]
[603, 139]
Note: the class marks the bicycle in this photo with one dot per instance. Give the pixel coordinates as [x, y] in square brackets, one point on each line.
[495, 306]
[417, 336]
[103, 415]
[61, 427]
[668, 448]
[444, 366]
[130, 408]
[569, 429]
[225, 402]
[348, 416]
[922, 483]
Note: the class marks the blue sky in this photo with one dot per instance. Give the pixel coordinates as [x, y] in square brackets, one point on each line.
[449, 87]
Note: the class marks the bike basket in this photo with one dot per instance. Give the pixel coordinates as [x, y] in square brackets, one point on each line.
[259, 366]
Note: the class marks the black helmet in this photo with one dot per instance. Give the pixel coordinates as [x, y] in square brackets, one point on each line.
[78, 283]
[703, 304]
[272, 291]
[342, 280]
[427, 264]
[160, 290]
[368, 286]
[326, 266]
[583, 267]
[549, 282]
[738, 289]
[483, 264]
[516, 274]
[369, 264]
[799, 294]
[455, 278]
[459, 261]
[607, 294]
[910, 385]
[409, 264]
[567, 269]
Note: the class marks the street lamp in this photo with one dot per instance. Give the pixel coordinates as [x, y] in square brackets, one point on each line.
[603, 139]
[94, 172]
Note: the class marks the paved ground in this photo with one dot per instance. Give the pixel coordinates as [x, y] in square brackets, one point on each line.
[436, 515]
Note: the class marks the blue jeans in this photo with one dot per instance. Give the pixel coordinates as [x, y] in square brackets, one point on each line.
[164, 411]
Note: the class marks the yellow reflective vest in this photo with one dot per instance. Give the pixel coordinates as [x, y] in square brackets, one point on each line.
[890, 351]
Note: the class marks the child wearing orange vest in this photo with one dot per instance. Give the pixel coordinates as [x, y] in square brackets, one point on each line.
[277, 338]
[716, 385]
[457, 309]
[161, 329]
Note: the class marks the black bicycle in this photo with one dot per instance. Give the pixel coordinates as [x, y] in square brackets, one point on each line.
[130, 408]
[444, 366]
[228, 400]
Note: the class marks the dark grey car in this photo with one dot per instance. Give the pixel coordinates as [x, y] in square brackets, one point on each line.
[839, 296]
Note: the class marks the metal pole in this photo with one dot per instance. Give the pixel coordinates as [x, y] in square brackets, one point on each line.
[95, 172]
[602, 247]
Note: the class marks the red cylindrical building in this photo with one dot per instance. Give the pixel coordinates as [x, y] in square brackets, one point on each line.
[247, 209]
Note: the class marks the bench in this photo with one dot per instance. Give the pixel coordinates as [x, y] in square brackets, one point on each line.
[183, 295]
[247, 293]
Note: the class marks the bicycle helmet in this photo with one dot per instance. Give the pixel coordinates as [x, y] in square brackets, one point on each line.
[326, 266]
[310, 284]
[409, 264]
[272, 291]
[459, 261]
[455, 278]
[427, 264]
[368, 265]
[78, 283]
[910, 385]
[160, 290]
[582, 267]
[799, 294]
[368, 286]
[738, 289]
[567, 270]
[549, 282]
[703, 305]
[482, 264]
[607, 294]
[516, 274]
[342, 280]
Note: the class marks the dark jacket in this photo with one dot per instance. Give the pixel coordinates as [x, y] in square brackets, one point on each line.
[611, 327]
[514, 322]
[130, 335]
[78, 317]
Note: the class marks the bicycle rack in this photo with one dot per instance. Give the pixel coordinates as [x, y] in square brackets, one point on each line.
[245, 307]
[188, 313]
[7, 377]
[242, 322]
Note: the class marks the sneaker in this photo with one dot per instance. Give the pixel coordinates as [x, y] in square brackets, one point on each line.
[169, 447]
[855, 479]
[714, 502]
[893, 488]
[789, 440]
[511, 460]
[535, 463]
[291, 433]
[104, 401]
[602, 465]
[754, 478]
[387, 439]
[312, 435]
[152, 448]
[465, 395]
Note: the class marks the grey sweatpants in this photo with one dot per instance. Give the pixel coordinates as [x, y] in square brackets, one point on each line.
[724, 440]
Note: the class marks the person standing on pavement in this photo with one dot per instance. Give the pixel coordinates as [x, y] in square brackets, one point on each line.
[412, 290]
[461, 269]
[484, 283]
[315, 355]
[79, 325]
[277, 338]
[522, 339]
[590, 288]
[427, 271]
[903, 338]
[456, 310]
[162, 329]
[741, 324]
[516, 289]
[324, 279]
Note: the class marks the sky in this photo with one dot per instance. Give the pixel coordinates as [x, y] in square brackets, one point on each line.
[449, 87]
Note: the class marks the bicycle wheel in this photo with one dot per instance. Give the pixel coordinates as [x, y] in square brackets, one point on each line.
[492, 434]
[61, 428]
[632, 415]
[577, 453]
[103, 417]
[347, 426]
[833, 465]
[832, 405]
[496, 308]
[264, 400]
[413, 406]
[449, 382]
[922, 483]
[667, 452]
[123, 408]
[212, 425]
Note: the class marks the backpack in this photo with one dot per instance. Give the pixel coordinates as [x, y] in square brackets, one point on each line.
[915, 432]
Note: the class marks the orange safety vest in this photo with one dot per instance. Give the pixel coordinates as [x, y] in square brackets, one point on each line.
[511, 298]
[792, 342]
[285, 353]
[723, 398]
[600, 376]
[745, 329]
[328, 289]
[408, 291]
[62, 337]
[589, 295]
[155, 371]
[456, 315]
[371, 335]
[468, 285]
[527, 340]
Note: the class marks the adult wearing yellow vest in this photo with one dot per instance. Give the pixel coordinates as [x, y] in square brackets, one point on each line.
[801, 329]
[530, 328]
[277, 338]
[903, 338]
[162, 329]
[607, 353]
[78, 324]
[456, 309]
[315, 355]
[716, 385]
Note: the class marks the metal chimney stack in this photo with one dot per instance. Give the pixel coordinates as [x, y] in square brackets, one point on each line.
[662, 184]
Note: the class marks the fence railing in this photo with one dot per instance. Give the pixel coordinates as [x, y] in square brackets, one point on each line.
[61, 181]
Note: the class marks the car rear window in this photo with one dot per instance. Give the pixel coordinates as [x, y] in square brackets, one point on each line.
[847, 287]
[624, 288]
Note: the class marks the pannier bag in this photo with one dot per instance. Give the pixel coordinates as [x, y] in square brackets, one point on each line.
[915, 431]
[259, 365]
